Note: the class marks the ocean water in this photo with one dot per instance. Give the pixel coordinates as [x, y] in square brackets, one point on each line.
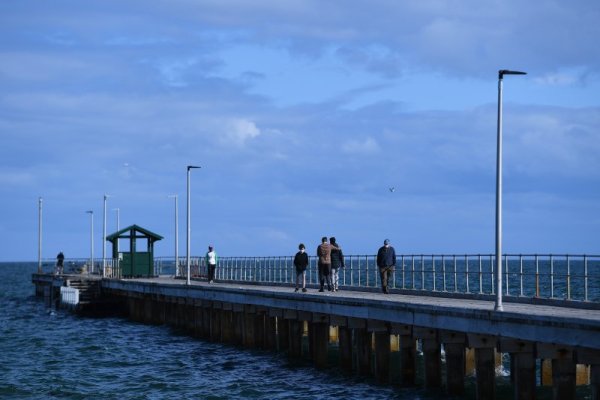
[47, 354]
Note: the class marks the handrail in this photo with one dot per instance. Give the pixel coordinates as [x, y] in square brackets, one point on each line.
[569, 277]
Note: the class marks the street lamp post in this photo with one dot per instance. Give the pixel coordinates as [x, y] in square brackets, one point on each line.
[91, 269]
[104, 236]
[498, 304]
[174, 196]
[40, 235]
[189, 168]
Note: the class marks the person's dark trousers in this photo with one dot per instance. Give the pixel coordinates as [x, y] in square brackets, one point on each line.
[384, 272]
[211, 272]
[325, 275]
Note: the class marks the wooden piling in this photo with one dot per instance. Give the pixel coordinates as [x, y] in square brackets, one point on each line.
[431, 356]
[486, 373]
[523, 365]
[454, 347]
[363, 351]
[249, 327]
[563, 378]
[345, 346]
[382, 356]
[296, 329]
[408, 360]
[321, 341]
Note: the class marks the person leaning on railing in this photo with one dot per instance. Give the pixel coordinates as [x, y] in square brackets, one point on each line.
[386, 261]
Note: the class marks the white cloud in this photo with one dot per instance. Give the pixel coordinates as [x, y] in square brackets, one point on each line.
[240, 130]
[366, 146]
[556, 79]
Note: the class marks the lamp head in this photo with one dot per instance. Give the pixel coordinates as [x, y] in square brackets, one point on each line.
[192, 166]
[503, 72]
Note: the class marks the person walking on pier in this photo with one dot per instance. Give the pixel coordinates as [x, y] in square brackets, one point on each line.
[301, 263]
[211, 263]
[324, 254]
[337, 262]
[386, 261]
[60, 260]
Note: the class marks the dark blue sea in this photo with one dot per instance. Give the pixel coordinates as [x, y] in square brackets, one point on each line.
[47, 354]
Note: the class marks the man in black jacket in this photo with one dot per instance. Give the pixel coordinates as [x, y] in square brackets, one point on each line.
[386, 261]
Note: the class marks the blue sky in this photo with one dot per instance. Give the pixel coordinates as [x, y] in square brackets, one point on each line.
[302, 114]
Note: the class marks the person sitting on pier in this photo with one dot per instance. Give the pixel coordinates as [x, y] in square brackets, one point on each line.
[337, 262]
[386, 261]
[324, 254]
[211, 263]
[60, 259]
[301, 263]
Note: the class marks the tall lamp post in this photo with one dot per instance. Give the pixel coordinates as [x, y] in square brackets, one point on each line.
[104, 236]
[498, 305]
[189, 168]
[174, 196]
[91, 269]
[40, 235]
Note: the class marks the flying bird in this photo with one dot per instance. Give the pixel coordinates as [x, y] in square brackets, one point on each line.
[392, 189]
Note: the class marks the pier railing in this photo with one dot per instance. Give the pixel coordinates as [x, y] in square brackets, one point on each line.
[549, 276]
[109, 268]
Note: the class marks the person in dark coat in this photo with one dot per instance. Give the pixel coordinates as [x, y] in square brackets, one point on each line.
[337, 262]
[301, 263]
[60, 260]
[386, 262]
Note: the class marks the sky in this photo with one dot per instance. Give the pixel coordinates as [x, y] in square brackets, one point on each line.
[302, 115]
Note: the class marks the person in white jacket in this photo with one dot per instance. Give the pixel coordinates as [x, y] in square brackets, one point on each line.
[211, 263]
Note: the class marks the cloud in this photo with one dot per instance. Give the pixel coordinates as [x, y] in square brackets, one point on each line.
[15, 178]
[238, 131]
[366, 146]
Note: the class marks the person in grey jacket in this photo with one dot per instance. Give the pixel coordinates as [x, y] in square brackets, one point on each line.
[386, 261]
[337, 262]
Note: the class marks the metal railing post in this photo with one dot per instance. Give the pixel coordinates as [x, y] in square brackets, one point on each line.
[393, 273]
[359, 272]
[402, 261]
[480, 275]
[506, 271]
[444, 272]
[521, 273]
[351, 271]
[551, 276]
[568, 278]
[492, 260]
[413, 270]
[585, 277]
[367, 269]
[433, 269]
[467, 272]
[537, 276]
[422, 273]
[455, 275]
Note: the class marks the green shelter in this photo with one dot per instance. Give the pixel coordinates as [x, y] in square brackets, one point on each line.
[133, 262]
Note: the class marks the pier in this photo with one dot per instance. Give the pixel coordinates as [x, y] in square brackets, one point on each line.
[560, 339]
